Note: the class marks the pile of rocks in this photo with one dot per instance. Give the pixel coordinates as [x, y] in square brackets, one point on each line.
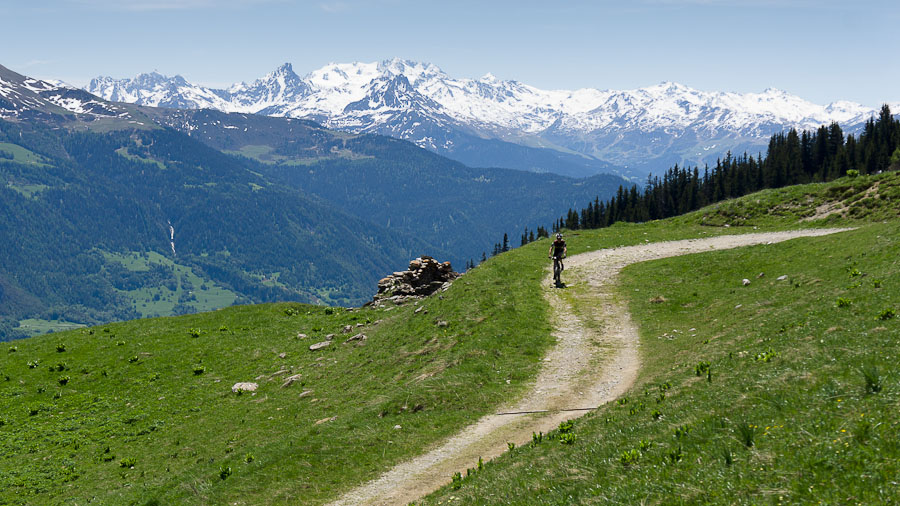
[424, 277]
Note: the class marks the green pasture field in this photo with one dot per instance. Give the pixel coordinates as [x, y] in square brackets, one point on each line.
[143, 412]
[160, 300]
[784, 391]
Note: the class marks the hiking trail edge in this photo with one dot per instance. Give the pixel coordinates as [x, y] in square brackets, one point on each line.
[594, 360]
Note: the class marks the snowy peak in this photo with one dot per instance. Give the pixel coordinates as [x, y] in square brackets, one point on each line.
[405, 98]
[25, 98]
[415, 72]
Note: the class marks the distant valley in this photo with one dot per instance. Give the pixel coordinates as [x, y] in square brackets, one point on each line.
[119, 211]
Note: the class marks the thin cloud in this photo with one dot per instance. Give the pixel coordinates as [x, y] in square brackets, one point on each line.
[36, 63]
[335, 7]
[169, 5]
[741, 3]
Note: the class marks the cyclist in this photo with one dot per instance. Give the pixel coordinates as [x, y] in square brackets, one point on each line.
[557, 253]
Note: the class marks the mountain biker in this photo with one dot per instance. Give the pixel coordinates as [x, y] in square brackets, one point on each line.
[558, 250]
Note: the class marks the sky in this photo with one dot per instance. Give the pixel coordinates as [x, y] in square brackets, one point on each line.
[821, 50]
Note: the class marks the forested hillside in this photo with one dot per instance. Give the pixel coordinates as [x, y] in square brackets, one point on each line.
[792, 158]
[391, 182]
[136, 223]
[84, 210]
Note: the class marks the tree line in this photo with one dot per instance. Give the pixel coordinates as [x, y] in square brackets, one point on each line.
[792, 158]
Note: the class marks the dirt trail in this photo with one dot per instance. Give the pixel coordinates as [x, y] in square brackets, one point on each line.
[595, 360]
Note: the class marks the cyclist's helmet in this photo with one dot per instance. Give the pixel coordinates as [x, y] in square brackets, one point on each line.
[558, 236]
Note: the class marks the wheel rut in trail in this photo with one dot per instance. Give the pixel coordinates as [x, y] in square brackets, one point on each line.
[595, 360]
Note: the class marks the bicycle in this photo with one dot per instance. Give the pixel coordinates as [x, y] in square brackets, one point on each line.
[557, 267]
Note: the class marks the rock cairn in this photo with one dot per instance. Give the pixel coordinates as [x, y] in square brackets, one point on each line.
[424, 277]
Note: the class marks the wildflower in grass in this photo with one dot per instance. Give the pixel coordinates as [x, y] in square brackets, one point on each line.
[886, 314]
[746, 433]
[727, 456]
[701, 368]
[224, 472]
[872, 376]
[843, 302]
[629, 457]
[676, 455]
[456, 480]
[765, 356]
[60, 348]
[681, 431]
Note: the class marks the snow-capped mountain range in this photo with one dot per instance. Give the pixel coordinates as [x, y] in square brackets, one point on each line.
[25, 98]
[643, 129]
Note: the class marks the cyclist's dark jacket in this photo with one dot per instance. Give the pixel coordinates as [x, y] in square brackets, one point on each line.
[559, 246]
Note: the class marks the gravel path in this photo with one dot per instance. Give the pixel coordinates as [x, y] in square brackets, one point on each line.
[595, 360]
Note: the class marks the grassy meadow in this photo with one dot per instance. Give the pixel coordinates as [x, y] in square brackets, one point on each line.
[784, 391]
[747, 401]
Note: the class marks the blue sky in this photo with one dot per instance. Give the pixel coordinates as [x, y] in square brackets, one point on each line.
[822, 50]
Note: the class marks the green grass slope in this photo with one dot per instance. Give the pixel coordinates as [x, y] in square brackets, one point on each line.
[142, 412]
[781, 392]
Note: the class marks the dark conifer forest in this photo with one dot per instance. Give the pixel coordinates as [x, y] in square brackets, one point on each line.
[792, 158]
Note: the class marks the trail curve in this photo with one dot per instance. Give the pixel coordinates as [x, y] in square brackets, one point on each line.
[594, 360]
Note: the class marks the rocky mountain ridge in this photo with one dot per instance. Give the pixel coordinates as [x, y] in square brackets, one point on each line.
[639, 129]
